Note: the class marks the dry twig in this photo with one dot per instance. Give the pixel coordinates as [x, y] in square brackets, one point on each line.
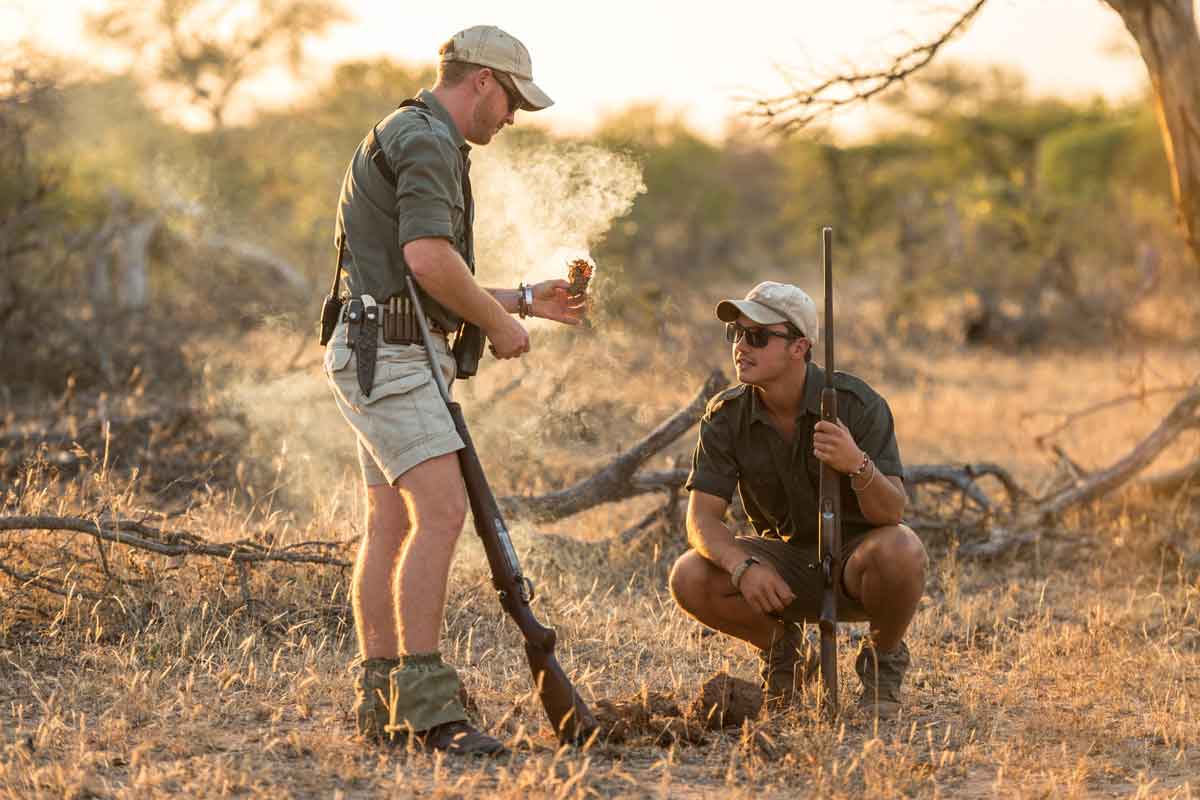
[131, 533]
[791, 112]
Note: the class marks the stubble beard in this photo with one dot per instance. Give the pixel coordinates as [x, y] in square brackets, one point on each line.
[482, 132]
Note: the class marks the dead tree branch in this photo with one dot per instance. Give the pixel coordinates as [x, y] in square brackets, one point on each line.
[1028, 526]
[138, 535]
[791, 112]
[1173, 481]
[615, 480]
[1180, 418]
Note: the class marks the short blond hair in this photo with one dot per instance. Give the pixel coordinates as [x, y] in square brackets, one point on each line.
[451, 73]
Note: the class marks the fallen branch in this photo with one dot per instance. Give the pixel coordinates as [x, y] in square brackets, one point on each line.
[143, 537]
[964, 478]
[615, 480]
[1180, 418]
[1028, 526]
[1173, 481]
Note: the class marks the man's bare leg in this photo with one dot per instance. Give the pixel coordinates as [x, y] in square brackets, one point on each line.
[371, 589]
[704, 591]
[436, 498]
[887, 575]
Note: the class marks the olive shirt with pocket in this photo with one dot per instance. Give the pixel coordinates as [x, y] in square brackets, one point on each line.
[778, 480]
[431, 199]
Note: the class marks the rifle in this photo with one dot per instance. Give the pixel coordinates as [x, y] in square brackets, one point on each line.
[829, 524]
[569, 715]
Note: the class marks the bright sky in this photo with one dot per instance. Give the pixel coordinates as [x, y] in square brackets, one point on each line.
[595, 58]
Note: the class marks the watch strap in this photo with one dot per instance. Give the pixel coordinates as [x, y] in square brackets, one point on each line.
[735, 577]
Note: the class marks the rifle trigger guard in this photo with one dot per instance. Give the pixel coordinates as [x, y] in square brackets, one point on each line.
[527, 591]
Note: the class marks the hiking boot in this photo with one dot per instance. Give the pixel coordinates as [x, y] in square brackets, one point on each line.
[458, 738]
[371, 692]
[787, 666]
[882, 675]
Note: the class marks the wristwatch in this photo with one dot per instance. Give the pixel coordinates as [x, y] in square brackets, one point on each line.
[735, 577]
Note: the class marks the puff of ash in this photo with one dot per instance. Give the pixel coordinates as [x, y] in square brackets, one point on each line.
[579, 272]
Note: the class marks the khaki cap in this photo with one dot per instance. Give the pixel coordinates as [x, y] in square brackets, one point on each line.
[770, 303]
[488, 46]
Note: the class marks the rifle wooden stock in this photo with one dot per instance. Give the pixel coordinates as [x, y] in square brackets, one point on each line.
[829, 506]
[569, 715]
[572, 720]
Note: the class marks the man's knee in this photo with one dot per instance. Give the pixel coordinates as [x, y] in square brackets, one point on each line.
[443, 516]
[689, 579]
[435, 496]
[899, 554]
[387, 515]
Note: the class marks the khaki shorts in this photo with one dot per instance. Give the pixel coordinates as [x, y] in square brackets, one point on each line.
[800, 566]
[404, 420]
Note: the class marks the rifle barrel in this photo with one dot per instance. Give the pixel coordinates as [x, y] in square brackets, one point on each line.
[827, 259]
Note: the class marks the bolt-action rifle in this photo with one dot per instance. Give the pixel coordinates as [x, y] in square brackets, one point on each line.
[572, 720]
[830, 504]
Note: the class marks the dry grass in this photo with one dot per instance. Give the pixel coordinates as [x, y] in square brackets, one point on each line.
[1068, 670]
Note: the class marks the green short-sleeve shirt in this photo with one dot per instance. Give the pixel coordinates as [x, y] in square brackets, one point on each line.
[429, 157]
[778, 481]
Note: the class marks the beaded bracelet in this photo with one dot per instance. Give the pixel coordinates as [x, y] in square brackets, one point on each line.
[863, 488]
[861, 467]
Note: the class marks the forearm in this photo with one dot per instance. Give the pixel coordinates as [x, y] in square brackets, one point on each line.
[507, 298]
[711, 538]
[883, 499]
[443, 274]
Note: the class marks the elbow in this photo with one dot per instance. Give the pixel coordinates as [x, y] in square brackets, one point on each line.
[695, 531]
[888, 516]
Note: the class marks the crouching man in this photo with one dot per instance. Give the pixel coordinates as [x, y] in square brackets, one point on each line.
[765, 437]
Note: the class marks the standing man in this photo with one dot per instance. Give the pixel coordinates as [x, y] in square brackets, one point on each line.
[406, 209]
[765, 437]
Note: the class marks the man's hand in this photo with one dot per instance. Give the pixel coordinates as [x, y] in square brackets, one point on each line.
[552, 301]
[833, 445]
[508, 337]
[764, 589]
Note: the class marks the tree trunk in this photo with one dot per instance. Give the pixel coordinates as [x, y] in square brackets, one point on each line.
[135, 259]
[1169, 41]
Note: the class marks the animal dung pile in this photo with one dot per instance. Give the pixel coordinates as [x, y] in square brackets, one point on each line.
[722, 702]
[726, 702]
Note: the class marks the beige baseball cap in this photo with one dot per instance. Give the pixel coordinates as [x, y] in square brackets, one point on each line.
[770, 303]
[488, 46]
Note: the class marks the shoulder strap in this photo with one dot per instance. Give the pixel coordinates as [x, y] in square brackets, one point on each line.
[375, 151]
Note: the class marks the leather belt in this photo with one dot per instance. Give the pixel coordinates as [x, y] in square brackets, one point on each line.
[397, 322]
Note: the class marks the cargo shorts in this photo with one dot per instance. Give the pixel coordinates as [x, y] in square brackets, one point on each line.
[800, 566]
[404, 420]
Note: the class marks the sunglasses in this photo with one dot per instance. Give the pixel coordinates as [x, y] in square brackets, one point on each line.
[757, 338]
[510, 90]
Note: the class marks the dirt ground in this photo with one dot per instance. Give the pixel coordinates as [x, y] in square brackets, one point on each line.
[1067, 668]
